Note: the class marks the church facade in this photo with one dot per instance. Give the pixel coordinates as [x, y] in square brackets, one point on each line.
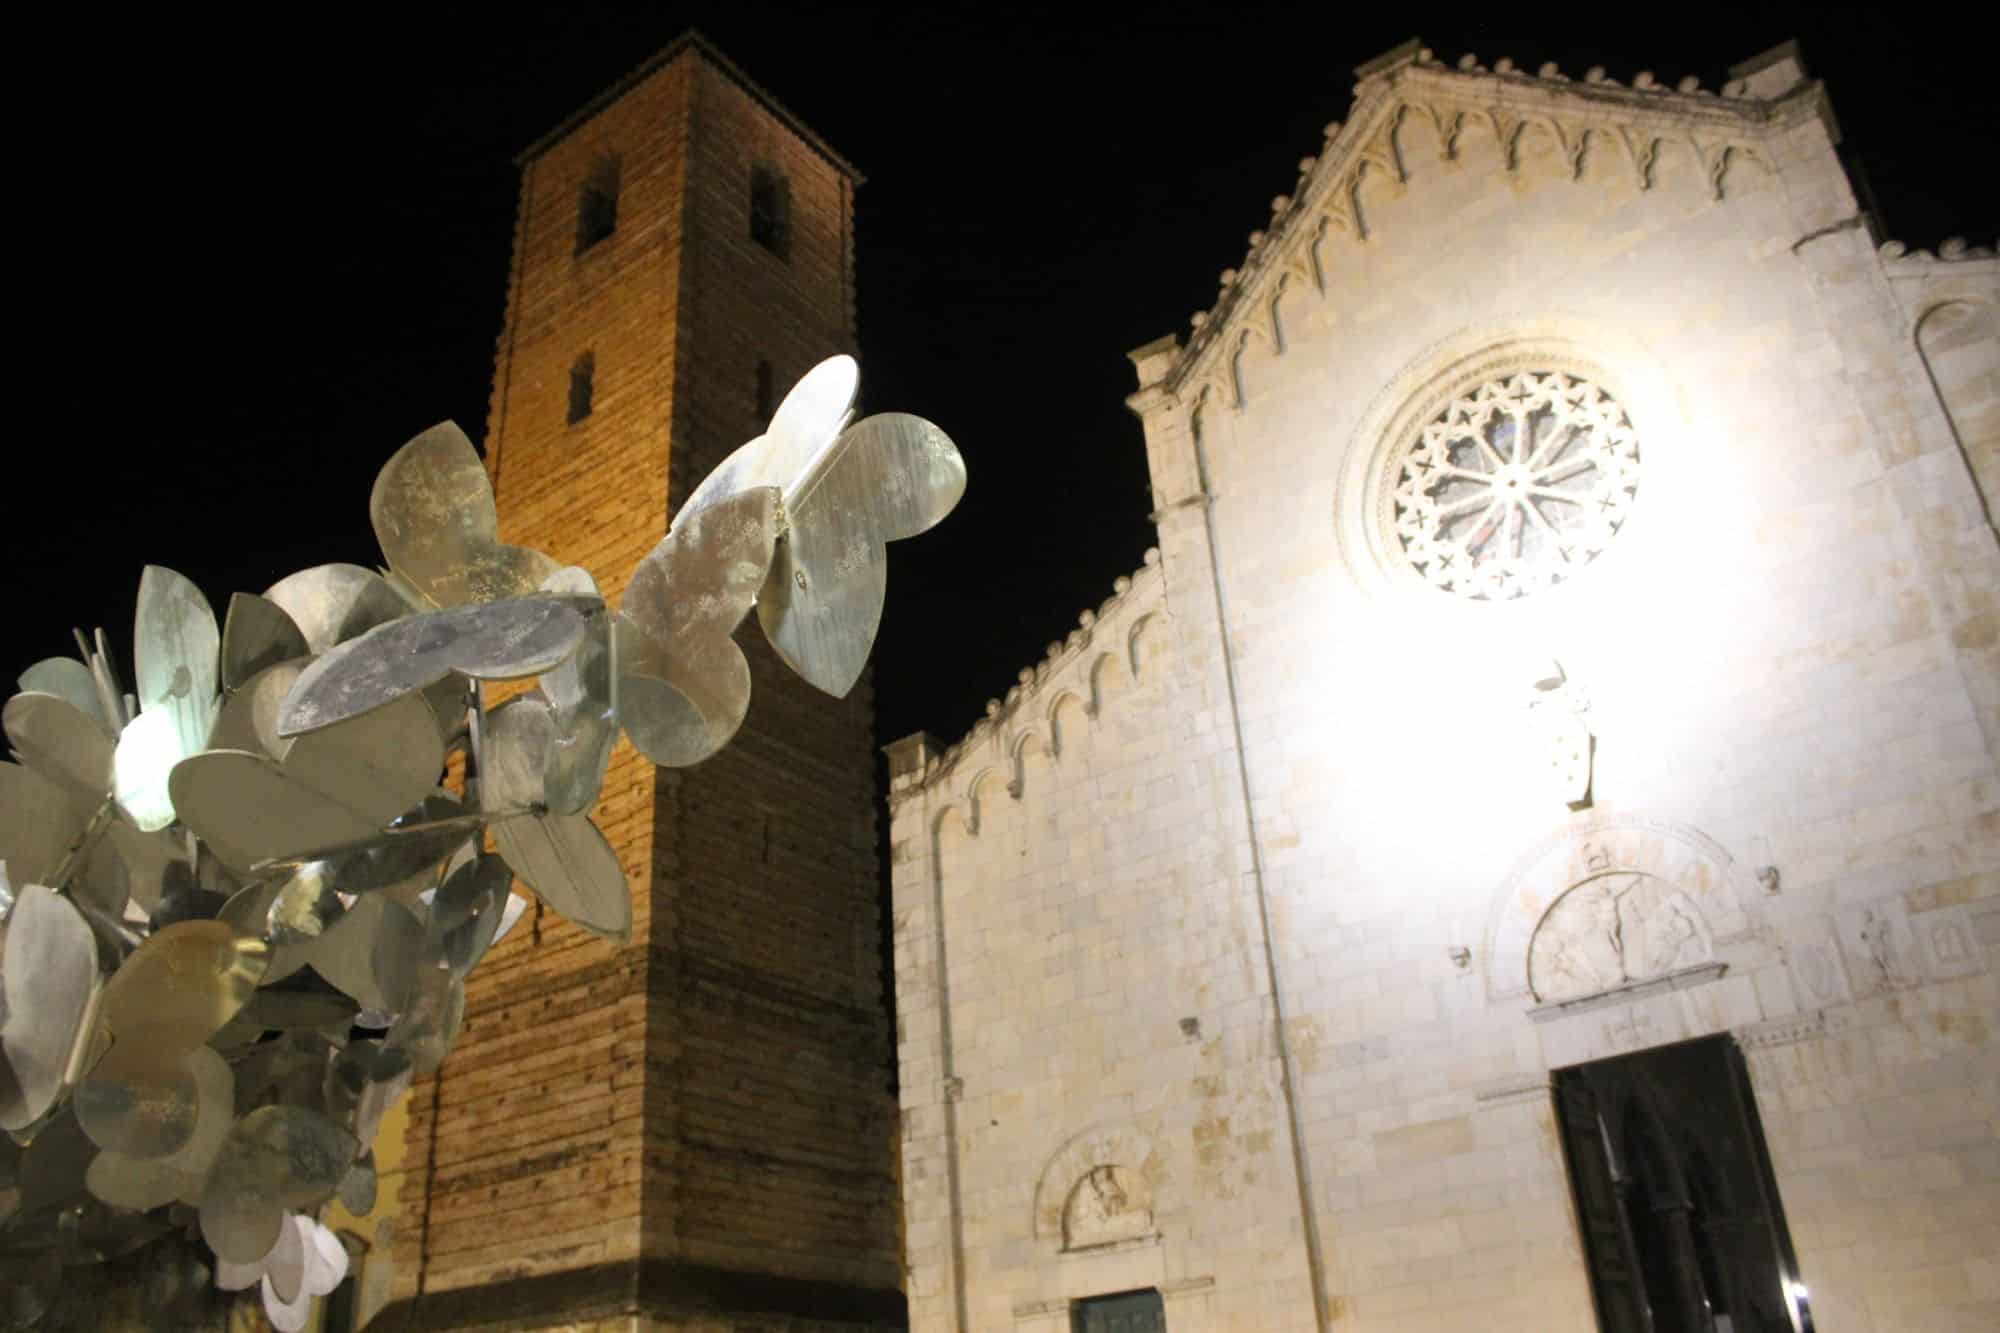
[1523, 851]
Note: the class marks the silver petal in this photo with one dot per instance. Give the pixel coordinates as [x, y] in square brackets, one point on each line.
[249, 809]
[331, 604]
[685, 685]
[378, 764]
[257, 634]
[583, 692]
[468, 909]
[804, 425]
[570, 866]
[182, 984]
[139, 1100]
[285, 1265]
[248, 719]
[433, 512]
[277, 1158]
[49, 972]
[491, 641]
[67, 678]
[357, 1187]
[62, 743]
[38, 825]
[893, 476]
[176, 648]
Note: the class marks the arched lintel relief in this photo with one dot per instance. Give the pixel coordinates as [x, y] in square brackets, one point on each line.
[1111, 1143]
[1722, 890]
[1433, 375]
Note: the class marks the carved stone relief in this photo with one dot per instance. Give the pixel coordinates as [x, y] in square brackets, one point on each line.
[1611, 903]
[1818, 975]
[1109, 1204]
[1879, 947]
[1611, 930]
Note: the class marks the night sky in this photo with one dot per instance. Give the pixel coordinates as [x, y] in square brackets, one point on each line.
[259, 252]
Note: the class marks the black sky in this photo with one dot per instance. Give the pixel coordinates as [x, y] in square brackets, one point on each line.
[261, 249]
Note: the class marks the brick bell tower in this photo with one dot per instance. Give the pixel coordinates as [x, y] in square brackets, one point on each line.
[695, 1127]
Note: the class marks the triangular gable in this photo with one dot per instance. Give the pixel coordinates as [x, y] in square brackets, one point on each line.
[1583, 118]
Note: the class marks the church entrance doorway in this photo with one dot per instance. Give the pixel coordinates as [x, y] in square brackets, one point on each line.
[1682, 1228]
[1127, 1312]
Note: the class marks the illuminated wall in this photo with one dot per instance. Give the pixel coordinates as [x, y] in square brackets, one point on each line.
[1236, 948]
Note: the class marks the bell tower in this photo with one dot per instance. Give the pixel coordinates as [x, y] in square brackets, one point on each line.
[697, 1124]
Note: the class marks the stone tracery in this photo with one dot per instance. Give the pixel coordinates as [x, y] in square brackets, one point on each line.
[1515, 485]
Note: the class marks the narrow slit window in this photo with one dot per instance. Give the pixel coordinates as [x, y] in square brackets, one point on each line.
[581, 387]
[597, 204]
[767, 393]
[771, 210]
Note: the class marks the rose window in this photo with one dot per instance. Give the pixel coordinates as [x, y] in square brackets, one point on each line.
[1516, 485]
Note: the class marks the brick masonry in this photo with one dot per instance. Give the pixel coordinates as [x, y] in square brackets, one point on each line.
[698, 1121]
[1245, 933]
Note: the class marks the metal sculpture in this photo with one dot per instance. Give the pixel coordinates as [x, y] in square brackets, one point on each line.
[238, 906]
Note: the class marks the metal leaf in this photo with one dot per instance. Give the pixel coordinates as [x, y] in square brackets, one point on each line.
[358, 1186]
[39, 823]
[248, 719]
[804, 427]
[63, 743]
[139, 1100]
[373, 953]
[331, 604]
[175, 651]
[685, 686]
[256, 634]
[583, 692]
[563, 858]
[467, 911]
[248, 808]
[492, 641]
[426, 1030]
[67, 678]
[142, 767]
[182, 984]
[892, 476]
[378, 764]
[433, 512]
[49, 973]
[277, 1158]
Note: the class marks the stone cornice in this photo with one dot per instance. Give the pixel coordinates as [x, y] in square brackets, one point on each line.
[1070, 666]
[1583, 117]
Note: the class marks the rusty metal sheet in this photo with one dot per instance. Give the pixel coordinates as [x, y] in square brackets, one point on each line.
[434, 516]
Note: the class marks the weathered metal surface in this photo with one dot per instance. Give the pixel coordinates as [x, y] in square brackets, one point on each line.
[685, 686]
[49, 971]
[508, 640]
[433, 512]
[331, 604]
[275, 1159]
[257, 634]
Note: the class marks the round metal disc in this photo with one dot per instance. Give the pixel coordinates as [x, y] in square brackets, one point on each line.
[247, 806]
[38, 825]
[506, 640]
[433, 512]
[63, 743]
[139, 1100]
[277, 1158]
[182, 984]
[49, 972]
[256, 634]
[331, 604]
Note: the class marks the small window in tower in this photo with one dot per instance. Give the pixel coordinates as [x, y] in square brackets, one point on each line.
[581, 375]
[767, 393]
[597, 204]
[771, 210]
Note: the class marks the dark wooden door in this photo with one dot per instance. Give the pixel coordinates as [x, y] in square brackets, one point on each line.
[1615, 1286]
[1128, 1312]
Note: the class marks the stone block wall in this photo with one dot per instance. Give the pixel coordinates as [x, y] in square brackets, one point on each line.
[1782, 670]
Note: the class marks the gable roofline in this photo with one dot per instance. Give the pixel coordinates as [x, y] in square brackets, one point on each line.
[691, 41]
[1763, 91]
